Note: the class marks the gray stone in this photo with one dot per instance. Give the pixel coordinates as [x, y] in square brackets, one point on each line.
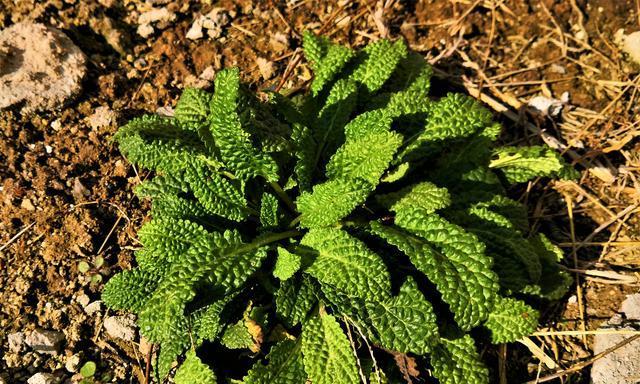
[121, 327]
[631, 307]
[44, 341]
[621, 366]
[42, 378]
[16, 342]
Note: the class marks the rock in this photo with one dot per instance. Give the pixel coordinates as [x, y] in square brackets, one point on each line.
[145, 30]
[72, 364]
[166, 111]
[622, 365]
[546, 106]
[265, 67]
[16, 342]
[83, 300]
[156, 15]
[213, 22]
[44, 341]
[631, 46]
[160, 17]
[279, 41]
[121, 327]
[39, 66]
[93, 308]
[103, 116]
[27, 204]
[42, 378]
[631, 307]
[195, 32]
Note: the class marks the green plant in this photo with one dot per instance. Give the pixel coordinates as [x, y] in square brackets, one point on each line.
[94, 274]
[392, 232]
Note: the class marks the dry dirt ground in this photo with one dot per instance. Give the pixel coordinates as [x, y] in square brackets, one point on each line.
[66, 192]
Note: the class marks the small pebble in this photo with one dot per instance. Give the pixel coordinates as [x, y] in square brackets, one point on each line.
[121, 327]
[44, 341]
[16, 342]
[42, 378]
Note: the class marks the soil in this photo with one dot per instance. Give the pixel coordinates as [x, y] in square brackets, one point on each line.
[66, 192]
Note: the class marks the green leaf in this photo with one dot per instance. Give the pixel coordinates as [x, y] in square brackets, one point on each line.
[193, 107]
[334, 115]
[193, 371]
[367, 152]
[206, 321]
[405, 323]
[452, 259]
[284, 366]
[222, 260]
[192, 113]
[425, 196]
[171, 348]
[217, 194]
[554, 282]
[161, 185]
[237, 336]
[347, 264]
[287, 264]
[327, 354]
[269, 211]
[305, 152]
[396, 173]
[520, 164]
[377, 62]
[159, 143]
[83, 267]
[326, 59]
[233, 142]
[129, 290]
[453, 117]
[294, 299]
[331, 201]
[511, 320]
[410, 83]
[88, 369]
[170, 238]
[457, 362]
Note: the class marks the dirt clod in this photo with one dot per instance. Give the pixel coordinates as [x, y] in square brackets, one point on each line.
[39, 66]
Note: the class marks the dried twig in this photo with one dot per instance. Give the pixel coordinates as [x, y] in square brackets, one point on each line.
[16, 236]
[584, 364]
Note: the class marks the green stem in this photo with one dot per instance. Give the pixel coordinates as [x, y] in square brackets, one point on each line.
[295, 221]
[271, 238]
[283, 195]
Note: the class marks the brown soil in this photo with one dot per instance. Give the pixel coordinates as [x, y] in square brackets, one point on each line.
[67, 191]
